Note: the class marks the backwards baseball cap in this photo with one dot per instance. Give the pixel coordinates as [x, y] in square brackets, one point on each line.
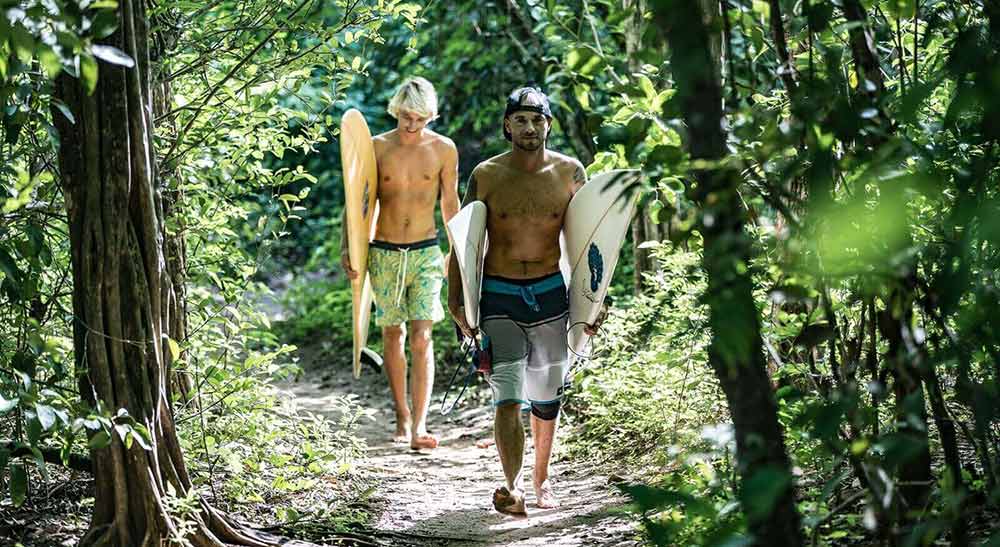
[516, 102]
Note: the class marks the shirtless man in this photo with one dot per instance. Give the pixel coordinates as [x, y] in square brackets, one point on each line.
[524, 306]
[416, 166]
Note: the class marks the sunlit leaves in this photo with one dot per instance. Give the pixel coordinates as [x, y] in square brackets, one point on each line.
[88, 73]
[112, 55]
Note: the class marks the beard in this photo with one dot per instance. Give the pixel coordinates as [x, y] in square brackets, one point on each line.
[529, 145]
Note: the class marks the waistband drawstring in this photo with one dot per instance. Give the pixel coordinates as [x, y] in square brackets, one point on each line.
[528, 296]
[401, 275]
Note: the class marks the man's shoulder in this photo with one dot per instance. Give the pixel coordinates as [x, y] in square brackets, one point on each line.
[564, 162]
[490, 168]
[384, 140]
[441, 143]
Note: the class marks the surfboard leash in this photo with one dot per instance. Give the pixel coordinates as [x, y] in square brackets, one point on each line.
[476, 358]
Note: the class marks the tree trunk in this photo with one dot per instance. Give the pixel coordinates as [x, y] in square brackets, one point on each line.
[736, 350]
[905, 348]
[786, 69]
[176, 251]
[643, 227]
[121, 296]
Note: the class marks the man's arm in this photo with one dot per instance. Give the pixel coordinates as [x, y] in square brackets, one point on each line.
[345, 256]
[449, 184]
[456, 302]
[579, 175]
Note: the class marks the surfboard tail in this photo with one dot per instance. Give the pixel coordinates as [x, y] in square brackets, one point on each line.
[362, 305]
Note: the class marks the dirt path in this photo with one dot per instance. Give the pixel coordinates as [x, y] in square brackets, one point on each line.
[442, 497]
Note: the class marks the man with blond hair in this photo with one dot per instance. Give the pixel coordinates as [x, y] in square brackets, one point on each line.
[416, 168]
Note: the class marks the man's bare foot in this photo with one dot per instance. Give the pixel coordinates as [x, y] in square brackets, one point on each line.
[423, 441]
[511, 503]
[486, 442]
[545, 498]
[402, 435]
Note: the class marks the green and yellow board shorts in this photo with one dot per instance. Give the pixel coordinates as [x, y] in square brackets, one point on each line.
[406, 280]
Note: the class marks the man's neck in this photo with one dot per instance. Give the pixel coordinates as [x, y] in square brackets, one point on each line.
[529, 161]
[406, 138]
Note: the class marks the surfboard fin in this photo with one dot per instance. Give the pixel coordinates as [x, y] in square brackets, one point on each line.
[372, 359]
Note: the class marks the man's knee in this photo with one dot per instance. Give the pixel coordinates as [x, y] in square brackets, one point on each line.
[420, 339]
[393, 336]
[508, 410]
[546, 411]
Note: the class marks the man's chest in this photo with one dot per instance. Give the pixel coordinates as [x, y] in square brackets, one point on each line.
[408, 169]
[528, 198]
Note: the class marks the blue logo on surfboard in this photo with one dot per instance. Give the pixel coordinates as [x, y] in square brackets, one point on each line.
[596, 263]
[364, 202]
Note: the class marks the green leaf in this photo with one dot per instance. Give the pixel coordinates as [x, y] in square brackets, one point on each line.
[46, 416]
[105, 23]
[175, 349]
[762, 490]
[6, 405]
[23, 42]
[101, 439]
[654, 210]
[113, 55]
[50, 61]
[646, 85]
[141, 436]
[18, 483]
[88, 73]
[648, 498]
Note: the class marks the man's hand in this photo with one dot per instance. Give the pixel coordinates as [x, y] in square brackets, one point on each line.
[345, 262]
[458, 314]
[592, 329]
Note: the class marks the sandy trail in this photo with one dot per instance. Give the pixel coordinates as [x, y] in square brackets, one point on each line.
[442, 496]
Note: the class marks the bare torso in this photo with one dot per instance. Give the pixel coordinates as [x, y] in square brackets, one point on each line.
[410, 178]
[525, 212]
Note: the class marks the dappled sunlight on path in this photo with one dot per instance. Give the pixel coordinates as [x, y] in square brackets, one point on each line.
[443, 496]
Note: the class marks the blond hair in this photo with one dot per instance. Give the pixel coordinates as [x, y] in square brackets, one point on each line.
[416, 95]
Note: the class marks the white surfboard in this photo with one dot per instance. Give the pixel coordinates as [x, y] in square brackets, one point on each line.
[467, 230]
[597, 221]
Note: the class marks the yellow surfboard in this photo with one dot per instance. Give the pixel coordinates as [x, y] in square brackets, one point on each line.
[357, 155]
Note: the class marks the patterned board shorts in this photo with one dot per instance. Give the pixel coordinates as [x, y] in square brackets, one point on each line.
[406, 281]
[525, 321]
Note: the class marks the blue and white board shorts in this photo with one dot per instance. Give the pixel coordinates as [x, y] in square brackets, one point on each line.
[525, 320]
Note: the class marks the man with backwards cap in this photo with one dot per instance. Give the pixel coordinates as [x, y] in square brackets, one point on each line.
[524, 306]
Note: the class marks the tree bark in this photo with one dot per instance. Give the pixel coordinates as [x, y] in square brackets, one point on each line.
[643, 227]
[736, 350]
[786, 69]
[181, 380]
[121, 297]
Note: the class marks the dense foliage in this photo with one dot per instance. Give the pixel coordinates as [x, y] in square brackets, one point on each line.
[861, 139]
